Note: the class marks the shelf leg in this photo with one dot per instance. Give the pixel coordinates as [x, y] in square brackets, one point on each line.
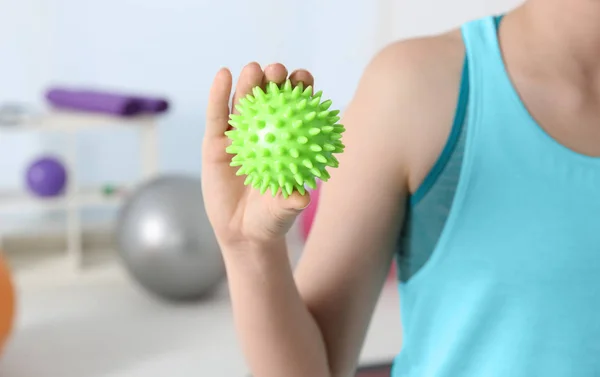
[75, 253]
[149, 149]
[74, 228]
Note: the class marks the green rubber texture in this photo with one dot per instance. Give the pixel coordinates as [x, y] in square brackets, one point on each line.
[284, 138]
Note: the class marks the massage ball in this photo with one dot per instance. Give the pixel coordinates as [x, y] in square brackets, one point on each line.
[284, 138]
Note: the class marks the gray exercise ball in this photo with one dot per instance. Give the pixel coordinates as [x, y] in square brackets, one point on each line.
[166, 241]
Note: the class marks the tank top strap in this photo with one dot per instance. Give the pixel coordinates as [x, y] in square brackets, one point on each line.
[487, 71]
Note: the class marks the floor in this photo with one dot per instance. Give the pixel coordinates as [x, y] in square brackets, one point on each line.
[99, 324]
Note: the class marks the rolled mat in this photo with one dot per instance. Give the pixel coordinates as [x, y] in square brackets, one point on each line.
[152, 105]
[105, 102]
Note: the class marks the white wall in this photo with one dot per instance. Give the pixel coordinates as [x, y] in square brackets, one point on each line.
[175, 47]
[439, 15]
[24, 48]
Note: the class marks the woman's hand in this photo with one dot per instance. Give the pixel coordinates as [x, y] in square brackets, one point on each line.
[239, 214]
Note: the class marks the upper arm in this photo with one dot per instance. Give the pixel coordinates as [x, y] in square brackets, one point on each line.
[352, 241]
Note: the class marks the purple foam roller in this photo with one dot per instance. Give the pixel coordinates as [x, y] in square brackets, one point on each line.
[94, 101]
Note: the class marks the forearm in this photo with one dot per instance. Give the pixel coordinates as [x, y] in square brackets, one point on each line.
[279, 335]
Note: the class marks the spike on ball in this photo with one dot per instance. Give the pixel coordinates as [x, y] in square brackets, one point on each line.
[284, 138]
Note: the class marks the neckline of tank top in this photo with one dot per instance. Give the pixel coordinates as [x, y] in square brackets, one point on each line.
[558, 147]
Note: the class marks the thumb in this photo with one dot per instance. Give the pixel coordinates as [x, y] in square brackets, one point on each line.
[217, 111]
[295, 202]
[288, 209]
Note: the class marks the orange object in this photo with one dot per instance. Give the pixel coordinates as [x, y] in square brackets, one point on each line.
[7, 303]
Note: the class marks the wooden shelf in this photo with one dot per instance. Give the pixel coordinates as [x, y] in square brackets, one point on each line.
[19, 200]
[77, 198]
[65, 121]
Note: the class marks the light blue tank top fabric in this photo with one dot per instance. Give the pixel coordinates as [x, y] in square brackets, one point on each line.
[512, 287]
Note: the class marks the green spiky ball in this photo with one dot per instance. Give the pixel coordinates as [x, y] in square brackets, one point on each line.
[284, 138]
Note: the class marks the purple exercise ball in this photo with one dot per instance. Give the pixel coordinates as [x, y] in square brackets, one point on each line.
[46, 177]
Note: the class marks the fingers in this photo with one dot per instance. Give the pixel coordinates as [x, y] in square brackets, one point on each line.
[276, 73]
[251, 76]
[217, 112]
[302, 76]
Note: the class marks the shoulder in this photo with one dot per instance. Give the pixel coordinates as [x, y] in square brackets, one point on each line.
[419, 55]
[416, 83]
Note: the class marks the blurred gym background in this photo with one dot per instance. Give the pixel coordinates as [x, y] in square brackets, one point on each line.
[71, 162]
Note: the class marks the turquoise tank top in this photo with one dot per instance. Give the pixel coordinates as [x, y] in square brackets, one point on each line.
[505, 278]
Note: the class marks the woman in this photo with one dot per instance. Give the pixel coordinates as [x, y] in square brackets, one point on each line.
[473, 157]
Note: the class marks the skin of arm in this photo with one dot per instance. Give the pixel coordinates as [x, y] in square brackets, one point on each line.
[313, 322]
